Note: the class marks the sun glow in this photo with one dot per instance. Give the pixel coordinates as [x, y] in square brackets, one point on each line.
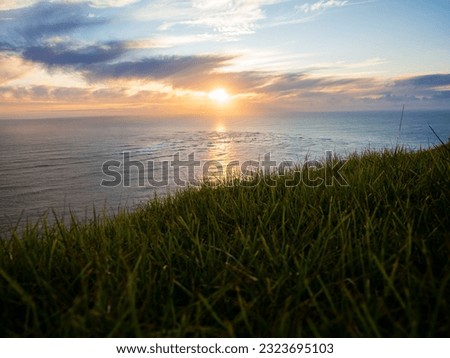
[219, 95]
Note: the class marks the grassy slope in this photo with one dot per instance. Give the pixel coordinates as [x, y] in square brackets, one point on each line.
[370, 259]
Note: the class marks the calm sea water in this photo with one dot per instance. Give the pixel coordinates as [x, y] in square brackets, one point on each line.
[57, 163]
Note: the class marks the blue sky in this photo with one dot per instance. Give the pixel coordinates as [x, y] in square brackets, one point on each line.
[164, 57]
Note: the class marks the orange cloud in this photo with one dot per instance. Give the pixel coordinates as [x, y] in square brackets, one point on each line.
[12, 67]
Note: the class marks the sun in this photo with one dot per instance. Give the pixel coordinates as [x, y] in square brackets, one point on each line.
[219, 95]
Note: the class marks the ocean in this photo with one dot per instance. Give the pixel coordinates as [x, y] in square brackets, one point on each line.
[57, 166]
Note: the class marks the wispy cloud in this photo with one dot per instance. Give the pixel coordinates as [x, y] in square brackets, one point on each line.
[344, 68]
[169, 41]
[107, 3]
[309, 12]
[322, 5]
[227, 17]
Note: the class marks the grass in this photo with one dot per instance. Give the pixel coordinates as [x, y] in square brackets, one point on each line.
[366, 260]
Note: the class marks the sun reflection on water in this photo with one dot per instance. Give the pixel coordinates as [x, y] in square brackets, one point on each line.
[221, 153]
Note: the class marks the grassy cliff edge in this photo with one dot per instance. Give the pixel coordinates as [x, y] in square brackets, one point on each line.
[370, 259]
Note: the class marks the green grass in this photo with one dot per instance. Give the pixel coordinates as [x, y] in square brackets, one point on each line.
[366, 260]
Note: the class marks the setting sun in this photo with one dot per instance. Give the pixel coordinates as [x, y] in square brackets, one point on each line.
[219, 95]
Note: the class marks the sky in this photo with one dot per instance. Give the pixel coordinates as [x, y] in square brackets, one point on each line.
[221, 57]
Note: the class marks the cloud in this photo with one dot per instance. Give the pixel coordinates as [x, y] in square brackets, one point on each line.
[33, 101]
[43, 93]
[303, 82]
[442, 95]
[12, 67]
[306, 91]
[60, 55]
[425, 87]
[48, 40]
[169, 41]
[32, 25]
[157, 67]
[109, 3]
[153, 84]
[322, 5]
[55, 19]
[426, 81]
[6, 5]
[230, 18]
[43, 34]
[432, 89]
